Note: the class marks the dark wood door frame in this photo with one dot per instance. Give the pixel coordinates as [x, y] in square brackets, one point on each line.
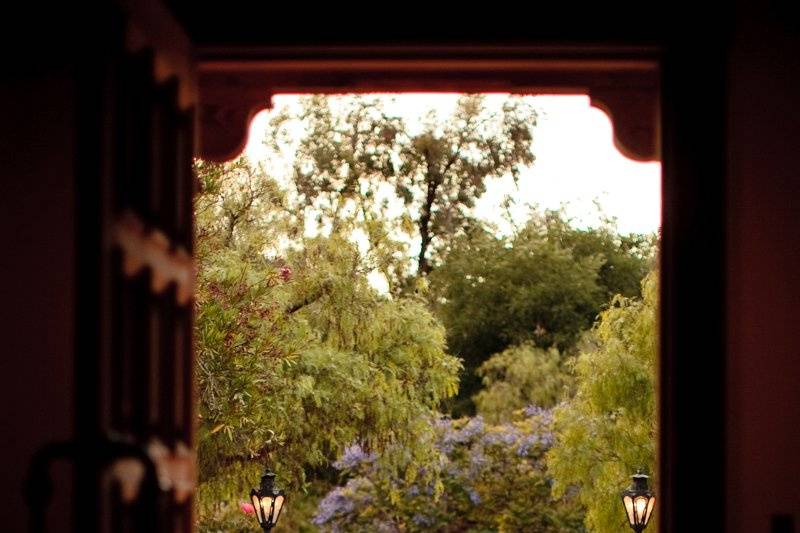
[665, 102]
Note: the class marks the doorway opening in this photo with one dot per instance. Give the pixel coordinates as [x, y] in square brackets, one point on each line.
[387, 321]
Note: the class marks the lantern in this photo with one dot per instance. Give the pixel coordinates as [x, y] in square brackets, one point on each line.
[639, 501]
[267, 501]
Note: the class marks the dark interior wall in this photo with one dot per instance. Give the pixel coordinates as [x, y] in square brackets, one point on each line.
[36, 283]
[763, 271]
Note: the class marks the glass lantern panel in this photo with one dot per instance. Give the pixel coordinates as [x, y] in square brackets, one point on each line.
[640, 506]
[266, 504]
[278, 507]
[628, 502]
[257, 508]
[650, 505]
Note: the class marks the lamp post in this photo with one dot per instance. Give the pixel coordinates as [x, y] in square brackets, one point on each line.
[268, 501]
[639, 501]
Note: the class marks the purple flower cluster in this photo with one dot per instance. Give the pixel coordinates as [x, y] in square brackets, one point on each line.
[385, 526]
[422, 520]
[353, 457]
[452, 437]
[342, 500]
[474, 497]
[414, 490]
[534, 410]
[443, 423]
[473, 428]
[477, 461]
[526, 444]
[546, 415]
[335, 503]
[507, 436]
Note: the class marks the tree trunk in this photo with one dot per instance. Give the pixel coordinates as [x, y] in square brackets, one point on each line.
[423, 265]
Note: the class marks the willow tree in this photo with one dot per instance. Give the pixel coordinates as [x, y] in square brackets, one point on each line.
[608, 429]
[355, 163]
[298, 356]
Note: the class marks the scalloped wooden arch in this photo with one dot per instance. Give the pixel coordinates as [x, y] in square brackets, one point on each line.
[622, 83]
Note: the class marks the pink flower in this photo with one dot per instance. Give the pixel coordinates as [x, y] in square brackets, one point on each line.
[286, 273]
[247, 508]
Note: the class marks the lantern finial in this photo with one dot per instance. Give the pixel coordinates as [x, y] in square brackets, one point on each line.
[267, 481]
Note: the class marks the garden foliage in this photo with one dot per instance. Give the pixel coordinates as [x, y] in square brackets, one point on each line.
[298, 356]
[491, 478]
[349, 393]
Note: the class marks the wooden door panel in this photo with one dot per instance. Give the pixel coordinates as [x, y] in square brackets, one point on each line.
[135, 363]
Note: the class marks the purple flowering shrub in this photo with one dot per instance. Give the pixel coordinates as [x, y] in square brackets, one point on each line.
[354, 456]
[486, 478]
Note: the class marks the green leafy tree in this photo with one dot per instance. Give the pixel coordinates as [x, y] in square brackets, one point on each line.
[544, 284]
[608, 429]
[298, 356]
[520, 376]
[626, 258]
[492, 293]
[353, 151]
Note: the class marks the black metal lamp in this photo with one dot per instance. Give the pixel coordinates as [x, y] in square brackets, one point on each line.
[268, 501]
[639, 501]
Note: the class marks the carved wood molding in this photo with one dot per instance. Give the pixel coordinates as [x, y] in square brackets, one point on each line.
[128, 473]
[151, 26]
[176, 469]
[234, 85]
[142, 249]
[225, 122]
[634, 114]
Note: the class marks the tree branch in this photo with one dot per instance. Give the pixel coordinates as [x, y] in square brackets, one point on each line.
[310, 299]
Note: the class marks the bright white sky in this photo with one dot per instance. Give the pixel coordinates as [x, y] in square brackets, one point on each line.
[576, 161]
